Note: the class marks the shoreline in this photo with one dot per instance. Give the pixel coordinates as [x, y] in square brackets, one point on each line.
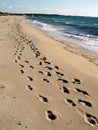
[44, 83]
[72, 47]
[83, 40]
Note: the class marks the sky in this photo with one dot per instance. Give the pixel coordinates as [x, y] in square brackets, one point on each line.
[63, 7]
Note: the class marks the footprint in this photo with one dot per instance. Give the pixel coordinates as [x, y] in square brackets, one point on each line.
[41, 72]
[49, 68]
[30, 78]
[50, 115]
[37, 55]
[42, 98]
[21, 65]
[20, 51]
[19, 57]
[49, 74]
[63, 80]
[2, 86]
[76, 81]
[44, 58]
[47, 62]
[31, 67]
[70, 102]
[86, 103]
[46, 80]
[64, 89]
[19, 123]
[15, 61]
[82, 91]
[56, 67]
[58, 73]
[22, 71]
[90, 119]
[40, 63]
[26, 61]
[29, 87]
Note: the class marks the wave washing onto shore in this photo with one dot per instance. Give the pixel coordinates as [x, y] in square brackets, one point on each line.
[79, 30]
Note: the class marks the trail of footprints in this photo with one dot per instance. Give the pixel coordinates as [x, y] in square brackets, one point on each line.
[43, 61]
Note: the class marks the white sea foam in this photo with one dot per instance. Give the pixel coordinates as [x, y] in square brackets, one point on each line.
[87, 41]
[44, 26]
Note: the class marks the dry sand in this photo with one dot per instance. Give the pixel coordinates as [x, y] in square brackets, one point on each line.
[45, 84]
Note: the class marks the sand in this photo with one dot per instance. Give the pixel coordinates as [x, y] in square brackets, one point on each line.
[45, 84]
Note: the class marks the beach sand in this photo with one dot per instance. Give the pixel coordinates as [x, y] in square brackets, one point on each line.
[45, 84]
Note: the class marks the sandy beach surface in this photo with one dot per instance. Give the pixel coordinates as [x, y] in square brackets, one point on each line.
[45, 84]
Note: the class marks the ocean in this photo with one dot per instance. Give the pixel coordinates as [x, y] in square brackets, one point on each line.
[75, 29]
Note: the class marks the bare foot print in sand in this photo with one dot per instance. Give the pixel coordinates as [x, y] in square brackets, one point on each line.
[49, 74]
[76, 81]
[19, 57]
[32, 67]
[50, 115]
[70, 102]
[21, 71]
[15, 61]
[40, 72]
[56, 67]
[49, 68]
[22, 66]
[43, 98]
[63, 80]
[47, 62]
[59, 74]
[29, 78]
[26, 61]
[86, 103]
[29, 87]
[46, 80]
[82, 91]
[91, 120]
[40, 63]
[64, 90]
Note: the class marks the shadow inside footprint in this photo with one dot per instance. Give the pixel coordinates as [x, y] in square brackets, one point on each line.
[15, 61]
[46, 80]
[26, 61]
[88, 104]
[49, 74]
[44, 58]
[76, 81]
[47, 62]
[92, 120]
[22, 66]
[43, 99]
[49, 68]
[60, 74]
[29, 87]
[56, 67]
[19, 57]
[31, 67]
[41, 72]
[64, 89]
[2, 87]
[30, 78]
[40, 63]
[51, 115]
[22, 71]
[63, 80]
[82, 91]
[70, 102]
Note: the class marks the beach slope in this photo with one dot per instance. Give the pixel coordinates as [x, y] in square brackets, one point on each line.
[45, 83]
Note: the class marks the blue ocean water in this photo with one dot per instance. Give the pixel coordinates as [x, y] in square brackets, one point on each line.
[78, 30]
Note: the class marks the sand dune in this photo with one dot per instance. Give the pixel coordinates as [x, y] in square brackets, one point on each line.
[45, 83]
